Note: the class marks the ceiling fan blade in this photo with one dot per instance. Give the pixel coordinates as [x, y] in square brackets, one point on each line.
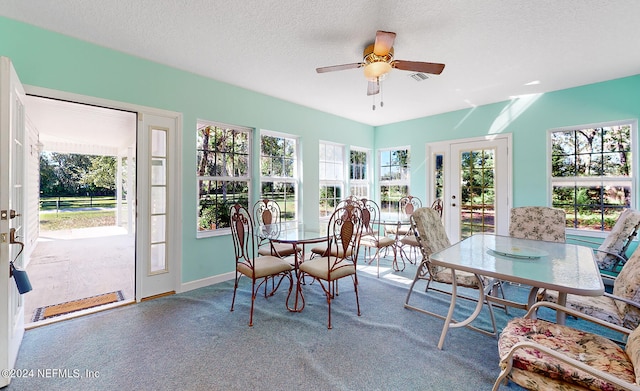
[373, 88]
[339, 67]
[417, 66]
[384, 42]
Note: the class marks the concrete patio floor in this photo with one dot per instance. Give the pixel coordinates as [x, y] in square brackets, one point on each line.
[74, 264]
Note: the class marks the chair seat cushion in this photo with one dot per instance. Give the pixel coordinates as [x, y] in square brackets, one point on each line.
[591, 349]
[264, 266]
[410, 240]
[463, 278]
[320, 250]
[319, 268]
[377, 241]
[601, 307]
[279, 249]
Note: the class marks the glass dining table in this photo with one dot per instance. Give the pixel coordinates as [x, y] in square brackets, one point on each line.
[565, 268]
[298, 236]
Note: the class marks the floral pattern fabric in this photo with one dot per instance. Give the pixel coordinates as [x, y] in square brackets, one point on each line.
[606, 308]
[617, 238]
[538, 223]
[432, 237]
[591, 349]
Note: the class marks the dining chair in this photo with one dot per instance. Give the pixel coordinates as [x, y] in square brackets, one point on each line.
[621, 307]
[371, 239]
[322, 249]
[343, 236]
[611, 254]
[540, 355]
[259, 268]
[538, 223]
[406, 237]
[266, 213]
[432, 237]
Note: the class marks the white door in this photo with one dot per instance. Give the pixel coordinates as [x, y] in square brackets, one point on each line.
[12, 124]
[158, 261]
[475, 180]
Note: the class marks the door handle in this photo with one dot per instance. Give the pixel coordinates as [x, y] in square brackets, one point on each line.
[12, 240]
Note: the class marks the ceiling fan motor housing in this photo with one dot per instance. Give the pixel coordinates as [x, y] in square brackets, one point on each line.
[376, 67]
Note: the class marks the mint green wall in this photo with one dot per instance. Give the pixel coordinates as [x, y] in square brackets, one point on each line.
[527, 119]
[50, 60]
[54, 61]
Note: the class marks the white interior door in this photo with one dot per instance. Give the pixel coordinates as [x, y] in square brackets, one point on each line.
[12, 125]
[473, 177]
[157, 269]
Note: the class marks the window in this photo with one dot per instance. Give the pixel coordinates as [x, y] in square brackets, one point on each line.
[331, 177]
[223, 173]
[279, 172]
[394, 178]
[591, 174]
[359, 173]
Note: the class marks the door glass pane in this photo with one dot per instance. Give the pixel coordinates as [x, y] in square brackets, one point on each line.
[477, 190]
[158, 200]
[158, 229]
[158, 172]
[158, 142]
[158, 259]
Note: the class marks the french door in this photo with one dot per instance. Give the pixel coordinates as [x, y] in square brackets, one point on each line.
[12, 173]
[473, 178]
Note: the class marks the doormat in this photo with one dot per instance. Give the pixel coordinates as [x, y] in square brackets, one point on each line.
[51, 311]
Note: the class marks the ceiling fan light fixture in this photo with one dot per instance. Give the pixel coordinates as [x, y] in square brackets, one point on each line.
[377, 70]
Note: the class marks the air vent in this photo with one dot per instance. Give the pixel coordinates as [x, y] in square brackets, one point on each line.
[418, 76]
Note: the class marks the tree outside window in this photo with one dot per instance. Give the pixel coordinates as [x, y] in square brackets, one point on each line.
[223, 159]
[331, 177]
[592, 175]
[359, 173]
[393, 179]
[279, 173]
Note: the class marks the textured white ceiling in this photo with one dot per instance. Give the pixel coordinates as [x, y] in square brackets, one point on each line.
[492, 48]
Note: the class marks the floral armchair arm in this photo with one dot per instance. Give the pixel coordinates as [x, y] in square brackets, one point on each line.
[506, 363]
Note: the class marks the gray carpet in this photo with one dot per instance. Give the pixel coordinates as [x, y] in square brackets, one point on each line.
[191, 341]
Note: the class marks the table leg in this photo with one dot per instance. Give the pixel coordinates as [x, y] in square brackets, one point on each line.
[452, 306]
[561, 316]
[298, 304]
[449, 322]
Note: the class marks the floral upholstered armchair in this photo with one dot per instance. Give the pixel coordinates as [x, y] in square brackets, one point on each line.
[611, 254]
[621, 307]
[539, 355]
[538, 223]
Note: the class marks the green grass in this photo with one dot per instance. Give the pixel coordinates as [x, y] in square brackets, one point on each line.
[70, 220]
[50, 203]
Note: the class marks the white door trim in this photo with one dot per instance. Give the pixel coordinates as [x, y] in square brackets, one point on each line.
[444, 148]
[175, 149]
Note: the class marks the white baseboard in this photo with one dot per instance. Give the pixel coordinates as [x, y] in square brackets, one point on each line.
[187, 286]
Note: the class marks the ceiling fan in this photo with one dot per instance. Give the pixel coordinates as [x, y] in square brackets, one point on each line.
[377, 60]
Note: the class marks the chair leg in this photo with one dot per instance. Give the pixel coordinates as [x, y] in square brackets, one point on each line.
[235, 288]
[420, 274]
[355, 289]
[253, 299]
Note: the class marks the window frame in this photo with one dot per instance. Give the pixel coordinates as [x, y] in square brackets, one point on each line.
[244, 178]
[632, 179]
[335, 182]
[393, 182]
[295, 180]
[366, 182]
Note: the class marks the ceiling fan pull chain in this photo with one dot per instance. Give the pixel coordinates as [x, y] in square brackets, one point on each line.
[373, 107]
[381, 97]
